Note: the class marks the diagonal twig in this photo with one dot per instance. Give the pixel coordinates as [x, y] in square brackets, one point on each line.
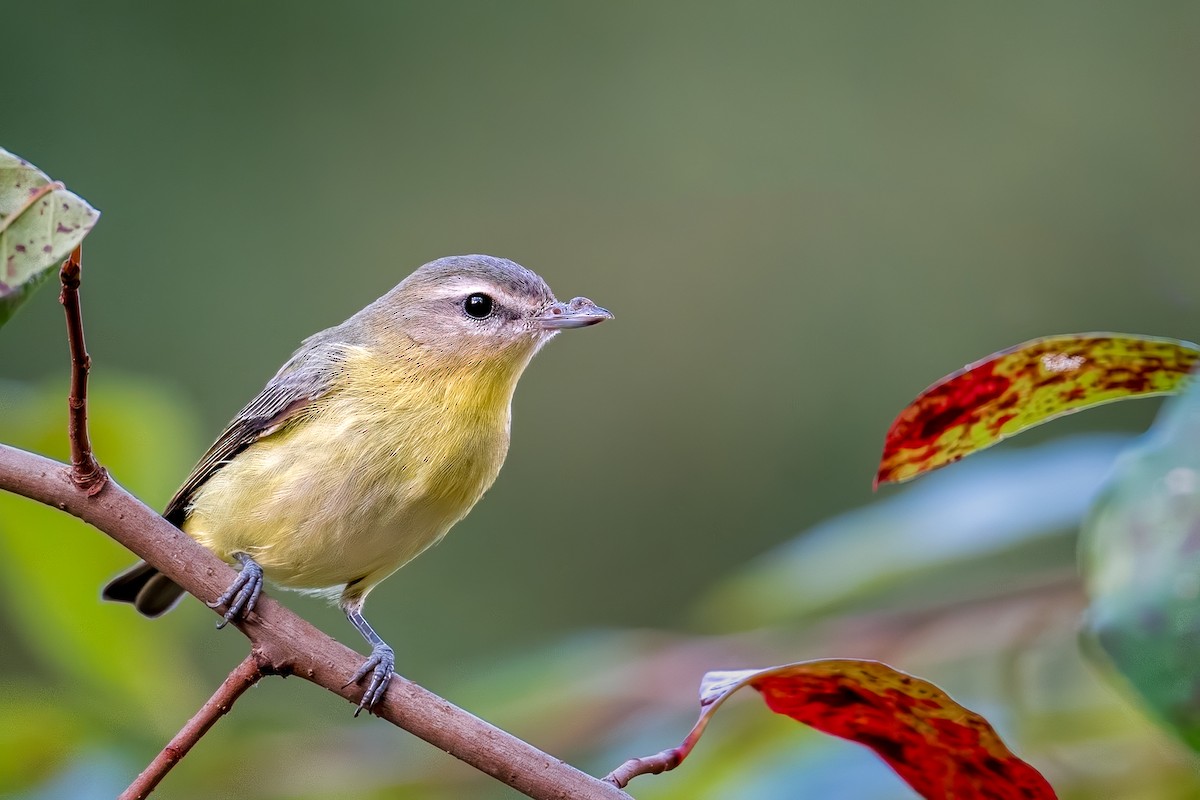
[243, 676]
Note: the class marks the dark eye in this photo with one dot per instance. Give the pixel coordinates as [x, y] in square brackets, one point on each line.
[478, 306]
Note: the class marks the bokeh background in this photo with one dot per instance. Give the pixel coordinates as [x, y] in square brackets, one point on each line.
[801, 214]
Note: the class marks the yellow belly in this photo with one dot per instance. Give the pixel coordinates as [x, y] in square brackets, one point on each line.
[349, 493]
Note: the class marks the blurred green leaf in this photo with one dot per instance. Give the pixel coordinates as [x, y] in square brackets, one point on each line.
[1141, 560]
[1002, 519]
[40, 223]
[36, 737]
[52, 565]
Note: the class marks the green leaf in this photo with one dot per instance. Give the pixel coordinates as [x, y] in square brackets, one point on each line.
[1003, 520]
[40, 223]
[95, 654]
[1140, 552]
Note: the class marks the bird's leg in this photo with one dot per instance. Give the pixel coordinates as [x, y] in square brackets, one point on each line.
[243, 593]
[379, 664]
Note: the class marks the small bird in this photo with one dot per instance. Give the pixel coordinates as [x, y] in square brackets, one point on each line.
[368, 445]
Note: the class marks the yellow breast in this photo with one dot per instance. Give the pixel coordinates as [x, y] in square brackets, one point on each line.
[363, 481]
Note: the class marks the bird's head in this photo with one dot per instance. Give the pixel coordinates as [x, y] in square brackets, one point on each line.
[481, 310]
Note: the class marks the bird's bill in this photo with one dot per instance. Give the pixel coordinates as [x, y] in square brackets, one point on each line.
[578, 313]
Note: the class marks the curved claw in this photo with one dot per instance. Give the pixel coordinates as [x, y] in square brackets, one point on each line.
[380, 664]
[243, 593]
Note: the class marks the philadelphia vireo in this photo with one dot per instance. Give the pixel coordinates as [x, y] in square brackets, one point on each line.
[368, 445]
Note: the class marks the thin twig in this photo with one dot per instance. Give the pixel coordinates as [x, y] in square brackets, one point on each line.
[86, 471]
[648, 765]
[242, 677]
[287, 644]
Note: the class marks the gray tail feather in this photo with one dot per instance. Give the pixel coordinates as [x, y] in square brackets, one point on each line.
[150, 592]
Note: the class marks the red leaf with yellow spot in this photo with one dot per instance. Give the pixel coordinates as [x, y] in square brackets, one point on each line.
[1024, 386]
[942, 750]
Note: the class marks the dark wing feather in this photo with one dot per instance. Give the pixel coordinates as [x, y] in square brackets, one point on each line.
[307, 376]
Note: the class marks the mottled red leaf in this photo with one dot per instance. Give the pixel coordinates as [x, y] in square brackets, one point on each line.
[1024, 386]
[942, 750]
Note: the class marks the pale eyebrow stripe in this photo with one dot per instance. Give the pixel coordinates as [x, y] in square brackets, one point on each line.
[463, 286]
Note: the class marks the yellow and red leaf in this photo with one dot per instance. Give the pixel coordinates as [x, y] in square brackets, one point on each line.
[1024, 386]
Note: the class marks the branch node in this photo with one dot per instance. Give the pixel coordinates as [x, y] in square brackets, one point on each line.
[269, 664]
[92, 481]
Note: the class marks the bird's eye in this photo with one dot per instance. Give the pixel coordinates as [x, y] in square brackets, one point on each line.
[478, 306]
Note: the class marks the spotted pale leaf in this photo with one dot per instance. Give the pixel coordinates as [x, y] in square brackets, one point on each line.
[40, 223]
[942, 750]
[1024, 386]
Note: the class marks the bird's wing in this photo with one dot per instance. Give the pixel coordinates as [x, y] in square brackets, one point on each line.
[307, 376]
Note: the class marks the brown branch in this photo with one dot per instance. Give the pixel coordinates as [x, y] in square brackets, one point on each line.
[287, 644]
[242, 677]
[647, 765]
[85, 469]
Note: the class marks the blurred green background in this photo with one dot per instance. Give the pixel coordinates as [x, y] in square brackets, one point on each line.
[801, 215]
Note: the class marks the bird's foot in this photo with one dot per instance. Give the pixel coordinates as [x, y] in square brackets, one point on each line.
[380, 665]
[243, 593]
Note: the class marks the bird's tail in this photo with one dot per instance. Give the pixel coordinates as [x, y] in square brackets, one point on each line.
[150, 592]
